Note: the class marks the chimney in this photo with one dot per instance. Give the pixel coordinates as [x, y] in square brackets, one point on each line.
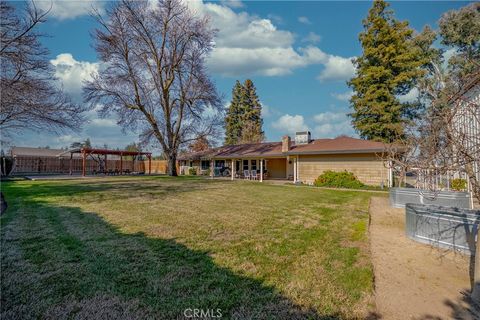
[286, 143]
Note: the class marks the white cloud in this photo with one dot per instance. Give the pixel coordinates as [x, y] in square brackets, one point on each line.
[103, 122]
[304, 20]
[312, 37]
[67, 139]
[290, 124]
[275, 18]
[72, 73]
[411, 96]
[263, 61]
[69, 9]
[337, 69]
[268, 111]
[233, 3]
[251, 45]
[345, 96]
[332, 124]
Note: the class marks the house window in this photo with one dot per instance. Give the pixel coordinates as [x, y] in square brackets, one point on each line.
[245, 164]
[205, 164]
[254, 164]
[219, 163]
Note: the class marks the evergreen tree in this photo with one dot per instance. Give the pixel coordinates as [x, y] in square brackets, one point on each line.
[87, 143]
[389, 66]
[233, 120]
[252, 114]
[460, 30]
[244, 114]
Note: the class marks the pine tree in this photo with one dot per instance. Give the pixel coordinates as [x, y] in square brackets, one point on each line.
[233, 120]
[460, 29]
[244, 114]
[389, 67]
[252, 114]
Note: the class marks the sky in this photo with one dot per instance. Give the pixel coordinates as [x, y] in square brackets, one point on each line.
[298, 54]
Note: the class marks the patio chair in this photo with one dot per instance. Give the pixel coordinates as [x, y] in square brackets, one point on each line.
[246, 174]
[254, 175]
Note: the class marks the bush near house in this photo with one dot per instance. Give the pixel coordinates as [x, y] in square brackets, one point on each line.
[192, 171]
[458, 184]
[342, 179]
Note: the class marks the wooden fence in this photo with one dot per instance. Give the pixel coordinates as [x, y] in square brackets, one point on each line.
[54, 165]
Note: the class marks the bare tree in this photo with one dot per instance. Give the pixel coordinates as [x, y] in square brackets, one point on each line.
[30, 96]
[154, 77]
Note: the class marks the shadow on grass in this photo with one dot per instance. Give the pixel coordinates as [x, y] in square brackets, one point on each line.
[62, 262]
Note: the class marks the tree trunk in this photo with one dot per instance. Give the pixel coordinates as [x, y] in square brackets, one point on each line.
[172, 165]
[476, 278]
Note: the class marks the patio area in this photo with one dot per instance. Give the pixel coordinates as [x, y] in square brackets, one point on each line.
[256, 169]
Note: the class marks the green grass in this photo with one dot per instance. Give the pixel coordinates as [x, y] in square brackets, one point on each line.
[150, 247]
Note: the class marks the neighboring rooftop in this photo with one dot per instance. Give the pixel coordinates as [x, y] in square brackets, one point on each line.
[75, 152]
[38, 152]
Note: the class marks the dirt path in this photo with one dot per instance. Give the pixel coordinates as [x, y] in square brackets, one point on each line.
[412, 280]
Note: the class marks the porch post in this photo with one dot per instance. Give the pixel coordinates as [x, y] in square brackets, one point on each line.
[261, 170]
[212, 168]
[233, 169]
[294, 170]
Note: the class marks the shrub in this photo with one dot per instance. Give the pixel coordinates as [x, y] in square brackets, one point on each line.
[458, 184]
[192, 171]
[343, 179]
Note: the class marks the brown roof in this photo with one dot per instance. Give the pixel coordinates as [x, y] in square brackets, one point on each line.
[271, 149]
[338, 145]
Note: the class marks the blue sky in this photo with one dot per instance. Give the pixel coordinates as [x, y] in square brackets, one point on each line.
[297, 54]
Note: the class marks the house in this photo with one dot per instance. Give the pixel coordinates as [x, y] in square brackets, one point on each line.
[302, 159]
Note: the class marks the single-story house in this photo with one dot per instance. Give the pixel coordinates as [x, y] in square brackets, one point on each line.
[300, 160]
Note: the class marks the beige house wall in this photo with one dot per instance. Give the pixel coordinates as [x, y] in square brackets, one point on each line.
[366, 167]
[277, 168]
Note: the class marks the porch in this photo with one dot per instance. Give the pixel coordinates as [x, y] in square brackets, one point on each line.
[257, 169]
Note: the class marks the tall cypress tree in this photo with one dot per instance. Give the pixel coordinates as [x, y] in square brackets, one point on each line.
[233, 119]
[252, 114]
[243, 122]
[389, 67]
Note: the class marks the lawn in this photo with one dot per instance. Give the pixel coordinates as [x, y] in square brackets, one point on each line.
[151, 247]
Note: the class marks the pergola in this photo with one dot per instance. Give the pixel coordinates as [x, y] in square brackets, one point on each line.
[105, 152]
